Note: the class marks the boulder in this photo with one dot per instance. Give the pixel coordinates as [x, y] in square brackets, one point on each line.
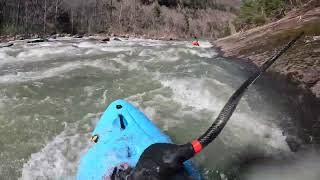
[116, 39]
[38, 40]
[77, 36]
[105, 39]
[6, 45]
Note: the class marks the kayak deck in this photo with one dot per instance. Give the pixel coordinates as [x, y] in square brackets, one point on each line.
[122, 134]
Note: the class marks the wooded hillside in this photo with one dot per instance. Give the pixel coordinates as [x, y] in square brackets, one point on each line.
[208, 18]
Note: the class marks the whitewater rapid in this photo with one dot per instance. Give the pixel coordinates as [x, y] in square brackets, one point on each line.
[53, 93]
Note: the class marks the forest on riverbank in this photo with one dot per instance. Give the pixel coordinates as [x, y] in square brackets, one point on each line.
[174, 18]
[180, 18]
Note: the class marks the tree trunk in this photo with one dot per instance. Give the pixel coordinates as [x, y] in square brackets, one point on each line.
[56, 16]
[72, 24]
[120, 16]
[111, 12]
[3, 15]
[18, 14]
[291, 3]
[45, 17]
[26, 21]
[135, 15]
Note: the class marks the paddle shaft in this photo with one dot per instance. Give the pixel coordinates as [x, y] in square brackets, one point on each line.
[233, 101]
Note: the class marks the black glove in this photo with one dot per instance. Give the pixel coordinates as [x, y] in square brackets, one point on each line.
[163, 162]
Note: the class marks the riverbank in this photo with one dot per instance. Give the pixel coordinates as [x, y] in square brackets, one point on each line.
[301, 64]
[151, 35]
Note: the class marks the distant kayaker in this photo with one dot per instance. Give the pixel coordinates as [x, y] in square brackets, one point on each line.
[195, 42]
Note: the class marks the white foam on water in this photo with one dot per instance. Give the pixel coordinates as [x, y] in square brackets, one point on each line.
[45, 51]
[203, 54]
[243, 128]
[134, 66]
[86, 45]
[32, 76]
[60, 158]
[190, 92]
[155, 52]
[173, 55]
[146, 52]
[54, 72]
[205, 44]
[155, 103]
[196, 51]
[55, 50]
[5, 57]
[115, 49]
[46, 44]
[305, 166]
[147, 43]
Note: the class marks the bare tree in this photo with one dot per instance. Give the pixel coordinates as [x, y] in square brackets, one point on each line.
[18, 13]
[56, 13]
[45, 17]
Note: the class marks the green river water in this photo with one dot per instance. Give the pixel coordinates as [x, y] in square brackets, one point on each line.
[53, 93]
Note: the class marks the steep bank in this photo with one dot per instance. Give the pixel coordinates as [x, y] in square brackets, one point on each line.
[301, 64]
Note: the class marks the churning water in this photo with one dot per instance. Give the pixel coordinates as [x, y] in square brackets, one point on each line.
[53, 93]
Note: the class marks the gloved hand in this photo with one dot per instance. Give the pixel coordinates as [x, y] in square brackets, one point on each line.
[163, 162]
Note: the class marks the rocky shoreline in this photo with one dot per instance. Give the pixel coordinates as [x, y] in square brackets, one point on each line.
[301, 64]
[166, 37]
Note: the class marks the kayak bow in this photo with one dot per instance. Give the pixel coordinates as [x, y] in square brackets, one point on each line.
[121, 136]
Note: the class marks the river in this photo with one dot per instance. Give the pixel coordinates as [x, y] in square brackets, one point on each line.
[53, 93]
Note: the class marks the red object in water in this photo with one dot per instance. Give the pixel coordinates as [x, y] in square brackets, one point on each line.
[195, 43]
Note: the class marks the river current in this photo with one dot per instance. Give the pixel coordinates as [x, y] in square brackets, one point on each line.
[53, 93]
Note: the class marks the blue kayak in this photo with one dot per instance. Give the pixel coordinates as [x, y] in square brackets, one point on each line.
[121, 135]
